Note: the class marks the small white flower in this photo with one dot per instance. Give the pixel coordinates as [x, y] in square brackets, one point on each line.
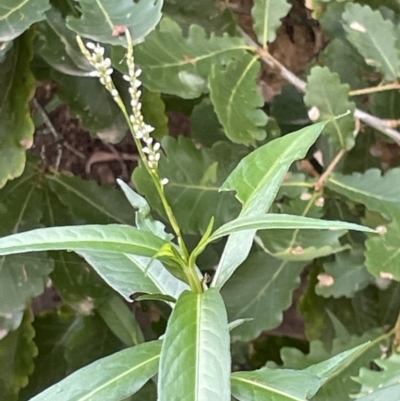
[114, 93]
[157, 157]
[90, 45]
[164, 181]
[109, 71]
[127, 78]
[146, 150]
[138, 72]
[156, 146]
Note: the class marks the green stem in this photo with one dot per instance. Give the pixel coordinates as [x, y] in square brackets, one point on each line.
[189, 271]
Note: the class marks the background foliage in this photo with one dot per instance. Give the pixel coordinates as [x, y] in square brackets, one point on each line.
[198, 62]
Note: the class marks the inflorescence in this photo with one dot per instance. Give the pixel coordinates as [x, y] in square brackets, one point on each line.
[103, 70]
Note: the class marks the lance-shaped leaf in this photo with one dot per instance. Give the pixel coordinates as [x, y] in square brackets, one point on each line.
[378, 193]
[195, 362]
[390, 393]
[18, 15]
[112, 378]
[374, 37]
[233, 92]
[16, 126]
[267, 15]
[256, 181]
[129, 274]
[274, 385]
[112, 238]
[289, 385]
[182, 67]
[102, 20]
[389, 374]
[282, 221]
[327, 97]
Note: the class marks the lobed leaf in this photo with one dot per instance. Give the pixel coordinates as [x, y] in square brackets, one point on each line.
[327, 97]
[195, 360]
[17, 88]
[267, 15]
[101, 20]
[374, 37]
[233, 92]
[16, 16]
[261, 296]
[183, 65]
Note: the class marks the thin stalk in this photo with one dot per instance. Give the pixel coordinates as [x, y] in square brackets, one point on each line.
[379, 88]
[320, 183]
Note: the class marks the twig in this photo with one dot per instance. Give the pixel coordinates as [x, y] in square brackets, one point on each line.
[368, 119]
[321, 181]
[374, 89]
[46, 120]
[57, 136]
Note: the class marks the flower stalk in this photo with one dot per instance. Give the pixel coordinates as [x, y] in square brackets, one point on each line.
[149, 150]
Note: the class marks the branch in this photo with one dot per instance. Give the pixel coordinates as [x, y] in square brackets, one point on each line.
[368, 119]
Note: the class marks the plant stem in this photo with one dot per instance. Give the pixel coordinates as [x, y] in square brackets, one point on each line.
[380, 88]
[320, 183]
[368, 119]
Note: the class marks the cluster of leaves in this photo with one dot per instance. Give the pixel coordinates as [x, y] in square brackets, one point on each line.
[193, 61]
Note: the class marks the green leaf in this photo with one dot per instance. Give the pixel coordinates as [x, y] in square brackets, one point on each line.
[99, 19]
[182, 67]
[144, 219]
[195, 361]
[92, 105]
[344, 276]
[382, 255]
[192, 191]
[111, 378]
[205, 127]
[57, 45]
[21, 209]
[51, 332]
[112, 238]
[327, 97]
[129, 274]
[89, 339]
[374, 37]
[282, 221]
[256, 181]
[261, 296]
[153, 110]
[386, 394]
[206, 13]
[267, 15]
[388, 375]
[121, 321]
[90, 203]
[340, 384]
[233, 92]
[16, 16]
[17, 351]
[339, 56]
[274, 385]
[17, 88]
[378, 193]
